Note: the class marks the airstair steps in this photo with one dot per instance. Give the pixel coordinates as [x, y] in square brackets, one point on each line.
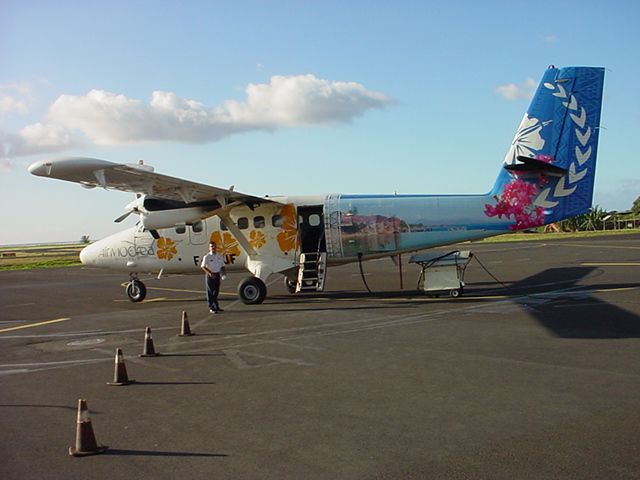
[311, 272]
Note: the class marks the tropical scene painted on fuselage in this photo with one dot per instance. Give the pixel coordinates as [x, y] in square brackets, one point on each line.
[374, 225]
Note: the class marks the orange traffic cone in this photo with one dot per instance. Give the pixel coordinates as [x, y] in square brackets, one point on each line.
[185, 330]
[85, 439]
[148, 350]
[120, 376]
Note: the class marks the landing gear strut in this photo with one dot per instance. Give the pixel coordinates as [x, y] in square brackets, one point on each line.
[290, 285]
[136, 291]
[252, 291]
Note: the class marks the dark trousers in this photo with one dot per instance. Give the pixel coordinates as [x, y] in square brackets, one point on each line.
[213, 288]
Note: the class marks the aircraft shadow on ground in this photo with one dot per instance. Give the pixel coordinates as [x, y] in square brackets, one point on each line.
[156, 453]
[573, 311]
[194, 354]
[30, 405]
[554, 297]
[170, 383]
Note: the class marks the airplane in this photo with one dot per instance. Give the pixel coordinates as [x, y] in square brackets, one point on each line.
[547, 175]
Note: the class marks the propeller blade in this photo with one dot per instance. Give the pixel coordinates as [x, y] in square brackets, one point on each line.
[123, 216]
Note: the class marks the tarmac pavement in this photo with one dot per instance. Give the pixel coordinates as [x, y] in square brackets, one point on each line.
[536, 375]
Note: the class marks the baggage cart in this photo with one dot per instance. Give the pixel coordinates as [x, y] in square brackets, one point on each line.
[442, 272]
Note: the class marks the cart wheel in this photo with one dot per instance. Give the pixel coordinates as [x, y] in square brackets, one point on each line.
[454, 293]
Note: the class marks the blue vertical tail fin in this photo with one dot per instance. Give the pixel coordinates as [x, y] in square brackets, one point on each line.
[549, 171]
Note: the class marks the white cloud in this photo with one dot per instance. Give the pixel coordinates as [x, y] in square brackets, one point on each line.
[524, 91]
[303, 100]
[36, 139]
[15, 98]
[107, 118]
[10, 104]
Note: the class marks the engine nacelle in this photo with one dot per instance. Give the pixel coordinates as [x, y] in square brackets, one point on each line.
[155, 220]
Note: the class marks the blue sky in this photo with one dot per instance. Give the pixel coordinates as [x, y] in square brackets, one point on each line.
[436, 91]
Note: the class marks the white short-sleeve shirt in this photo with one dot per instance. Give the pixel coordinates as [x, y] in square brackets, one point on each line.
[213, 262]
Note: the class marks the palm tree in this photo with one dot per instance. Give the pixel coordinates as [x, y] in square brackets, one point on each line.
[592, 220]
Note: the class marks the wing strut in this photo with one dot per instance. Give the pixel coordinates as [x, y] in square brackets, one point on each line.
[235, 231]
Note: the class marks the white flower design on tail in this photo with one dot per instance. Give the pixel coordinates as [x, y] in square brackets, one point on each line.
[527, 140]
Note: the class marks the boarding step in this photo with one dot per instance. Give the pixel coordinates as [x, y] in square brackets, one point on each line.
[311, 272]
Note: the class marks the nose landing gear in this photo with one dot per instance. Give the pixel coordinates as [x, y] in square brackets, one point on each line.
[136, 290]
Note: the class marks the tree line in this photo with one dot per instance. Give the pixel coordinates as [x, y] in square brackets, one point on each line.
[600, 219]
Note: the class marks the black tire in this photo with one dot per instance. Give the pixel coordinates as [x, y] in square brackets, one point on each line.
[136, 291]
[252, 291]
[455, 293]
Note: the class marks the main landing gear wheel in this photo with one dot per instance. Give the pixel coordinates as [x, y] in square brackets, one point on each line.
[290, 285]
[252, 291]
[136, 291]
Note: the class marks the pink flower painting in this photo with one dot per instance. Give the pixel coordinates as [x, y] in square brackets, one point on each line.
[516, 202]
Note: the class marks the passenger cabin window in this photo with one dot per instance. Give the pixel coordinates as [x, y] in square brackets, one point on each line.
[314, 219]
[258, 222]
[243, 223]
[181, 228]
[223, 226]
[197, 227]
[276, 221]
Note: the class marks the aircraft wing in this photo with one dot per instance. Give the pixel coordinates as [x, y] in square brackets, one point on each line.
[92, 172]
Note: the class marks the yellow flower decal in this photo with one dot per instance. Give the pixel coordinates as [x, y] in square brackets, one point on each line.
[288, 235]
[257, 239]
[166, 248]
[226, 244]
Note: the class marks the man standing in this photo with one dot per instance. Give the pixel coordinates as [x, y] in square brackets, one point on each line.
[213, 265]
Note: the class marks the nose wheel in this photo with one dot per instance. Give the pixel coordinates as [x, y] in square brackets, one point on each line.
[136, 291]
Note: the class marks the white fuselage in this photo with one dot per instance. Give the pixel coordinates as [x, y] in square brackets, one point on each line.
[274, 234]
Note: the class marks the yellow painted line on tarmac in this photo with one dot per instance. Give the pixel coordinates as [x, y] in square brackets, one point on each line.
[179, 290]
[600, 245]
[31, 325]
[611, 264]
[619, 289]
[159, 299]
[166, 289]
[446, 297]
[187, 291]
[174, 289]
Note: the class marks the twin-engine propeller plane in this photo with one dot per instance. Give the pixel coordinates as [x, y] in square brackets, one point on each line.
[547, 175]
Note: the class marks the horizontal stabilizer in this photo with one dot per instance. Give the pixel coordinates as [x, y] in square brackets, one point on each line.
[535, 165]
